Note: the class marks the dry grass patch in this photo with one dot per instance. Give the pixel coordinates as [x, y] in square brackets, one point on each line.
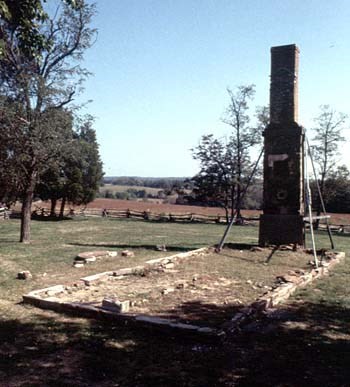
[205, 290]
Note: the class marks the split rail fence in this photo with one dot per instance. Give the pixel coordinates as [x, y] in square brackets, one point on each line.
[160, 217]
[132, 214]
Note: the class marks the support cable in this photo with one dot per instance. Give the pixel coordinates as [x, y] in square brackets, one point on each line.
[308, 200]
[228, 228]
[320, 195]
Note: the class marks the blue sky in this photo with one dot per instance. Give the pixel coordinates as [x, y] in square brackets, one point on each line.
[161, 68]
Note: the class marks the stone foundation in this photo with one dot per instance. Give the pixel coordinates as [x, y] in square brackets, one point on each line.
[48, 299]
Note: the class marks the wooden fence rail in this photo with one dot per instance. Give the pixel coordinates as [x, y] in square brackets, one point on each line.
[152, 216]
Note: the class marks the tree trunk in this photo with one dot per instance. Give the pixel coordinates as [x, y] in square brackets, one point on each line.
[238, 205]
[53, 207]
[232, 202]
[26, 212]
[63, 204]
[319, 204]
[227, 215]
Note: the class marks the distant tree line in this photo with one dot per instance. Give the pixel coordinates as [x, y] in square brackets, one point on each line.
[166, 183]
[336, 191]
[128, 194]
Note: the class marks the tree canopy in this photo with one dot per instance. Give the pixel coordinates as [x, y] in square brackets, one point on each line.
[225, 164]
[40, 74]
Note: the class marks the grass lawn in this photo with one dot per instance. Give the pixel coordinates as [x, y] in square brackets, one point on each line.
[309, 341]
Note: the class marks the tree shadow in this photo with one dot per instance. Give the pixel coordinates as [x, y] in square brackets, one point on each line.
[52, 350]
[134, 246]
[302, 345]
[240, 246]
[202, 313]
[268, 259]
[299, 345]
[41, 218]
[244, 247]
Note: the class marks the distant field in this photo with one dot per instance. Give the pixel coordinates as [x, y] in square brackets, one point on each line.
[155, 207]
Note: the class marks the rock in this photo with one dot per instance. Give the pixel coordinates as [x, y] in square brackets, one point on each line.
[91, 259]
[91, 256]
[167, 291]
[256, 248]
[205, 330]
[161, 248]
[78, 264]
[122, 272]
[53, 290]
[116, 305]
[127, 253]
[24, 275]
[170, 265]
[260, 305]
[290, 278]
[286, 248]
[181, 285]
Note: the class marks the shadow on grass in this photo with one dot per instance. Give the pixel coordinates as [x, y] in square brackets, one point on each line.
[202, 313]
[239, 246]
[302, 345]
[135, 246]
[9, 241]
[49, 352]
[306, 345]
[51, 218]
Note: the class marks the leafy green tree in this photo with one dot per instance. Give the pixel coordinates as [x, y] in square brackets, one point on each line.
[84, 170]
[40, 74]
[23, 18]
[215, 183]
[76, 177]
[336, 190]
[50, 187]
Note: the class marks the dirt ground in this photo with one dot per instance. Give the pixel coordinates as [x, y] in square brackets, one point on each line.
[205, 290]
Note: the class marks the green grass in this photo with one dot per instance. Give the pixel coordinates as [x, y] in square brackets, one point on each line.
[310, 346]
[54, 245]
